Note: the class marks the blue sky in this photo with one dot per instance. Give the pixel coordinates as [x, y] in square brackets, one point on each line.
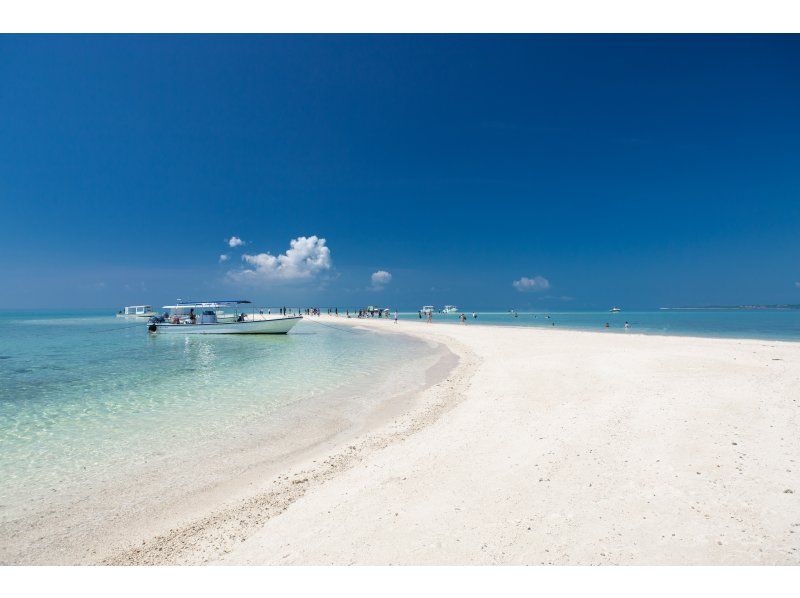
[590, 170]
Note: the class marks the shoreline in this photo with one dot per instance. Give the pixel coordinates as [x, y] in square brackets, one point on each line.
[96, 521]
[527, 445]
[206, 539]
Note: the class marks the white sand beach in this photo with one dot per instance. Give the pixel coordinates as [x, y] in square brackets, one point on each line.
[542, 446]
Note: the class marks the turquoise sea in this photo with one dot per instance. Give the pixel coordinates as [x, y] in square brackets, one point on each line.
[84, 394]
[767, 324]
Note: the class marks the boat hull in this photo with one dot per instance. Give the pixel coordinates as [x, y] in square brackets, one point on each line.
[260, 326]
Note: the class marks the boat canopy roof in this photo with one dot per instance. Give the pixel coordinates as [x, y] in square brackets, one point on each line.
[201, 304]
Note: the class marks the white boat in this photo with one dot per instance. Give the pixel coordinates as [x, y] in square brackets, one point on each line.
[202, 318]
[449, 309]
[427, 309]
[136, 311]
[615, 310]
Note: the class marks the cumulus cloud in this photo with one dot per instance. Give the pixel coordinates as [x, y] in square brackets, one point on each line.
[537, 283]
[305, 258]
[380, 279]
[224, 257]
[235, 241]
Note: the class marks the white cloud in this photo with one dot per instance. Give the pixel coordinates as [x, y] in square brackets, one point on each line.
[224, 257]
[380, 279]
[305, 258]
[537, 283]
[235, 241]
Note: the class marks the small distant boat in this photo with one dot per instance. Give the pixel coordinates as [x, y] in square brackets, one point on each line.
[136, 311]
[615, 310]
[427, 309]
[449, 309]
[205, 317]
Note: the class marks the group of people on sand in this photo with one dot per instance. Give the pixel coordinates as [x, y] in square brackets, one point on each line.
[334, 311]
[429, 316]
[385, 313]
[374, 313]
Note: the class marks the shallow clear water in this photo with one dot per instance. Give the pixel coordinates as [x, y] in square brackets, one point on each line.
[84, 393]
[767, 324]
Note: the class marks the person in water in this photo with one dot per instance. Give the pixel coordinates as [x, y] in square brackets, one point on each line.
[606, 324]
[474, 316]
[463, 319]
[627, 326]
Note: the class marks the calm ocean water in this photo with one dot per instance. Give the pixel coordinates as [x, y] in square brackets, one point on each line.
[85, 393]
[767, 324]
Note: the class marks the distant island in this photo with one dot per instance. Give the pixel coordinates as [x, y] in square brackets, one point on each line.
[739, 307]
